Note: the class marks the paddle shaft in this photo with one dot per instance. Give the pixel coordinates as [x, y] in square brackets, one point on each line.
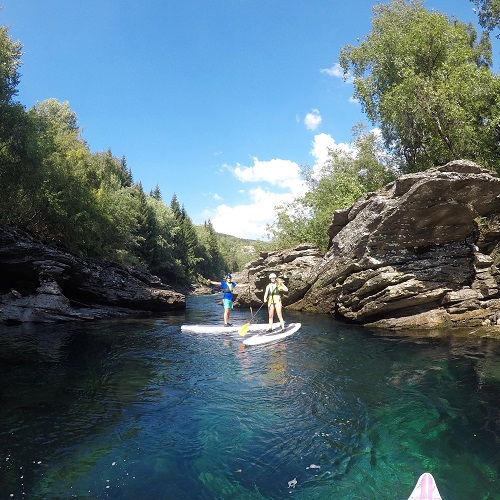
[244, 329]
[253, 316]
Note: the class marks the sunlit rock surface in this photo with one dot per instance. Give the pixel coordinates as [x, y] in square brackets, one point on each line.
[420, 253]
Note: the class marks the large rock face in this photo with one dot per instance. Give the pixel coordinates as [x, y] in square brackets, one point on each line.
[294, 266]
[40, 283]
[419, 253]
[408, 256]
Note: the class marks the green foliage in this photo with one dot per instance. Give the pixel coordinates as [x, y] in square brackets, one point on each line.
[10, 61]
[52, 185]
[426, 80]
[345, 177]
[237, 252]
[489, 13]
[212, 264]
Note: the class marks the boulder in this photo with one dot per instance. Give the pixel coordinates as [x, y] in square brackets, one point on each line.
[294, 266]
[407, 255]
[422, 252]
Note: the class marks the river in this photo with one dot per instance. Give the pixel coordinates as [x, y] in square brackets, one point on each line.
[137, 409]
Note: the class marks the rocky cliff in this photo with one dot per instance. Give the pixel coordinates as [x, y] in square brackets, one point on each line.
[296, 266]
[420, 253]
[40, 283]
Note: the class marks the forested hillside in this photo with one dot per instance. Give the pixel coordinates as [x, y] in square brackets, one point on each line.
[423, 79]
[52, 185]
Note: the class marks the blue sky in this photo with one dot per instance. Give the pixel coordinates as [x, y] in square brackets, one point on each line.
[219, 101]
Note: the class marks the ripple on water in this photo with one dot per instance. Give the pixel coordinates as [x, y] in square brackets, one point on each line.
[139, 409]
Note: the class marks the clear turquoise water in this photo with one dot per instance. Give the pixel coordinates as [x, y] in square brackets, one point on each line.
[137, 409]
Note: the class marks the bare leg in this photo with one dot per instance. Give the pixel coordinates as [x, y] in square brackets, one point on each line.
[280, 315]
[271, 315]
[226, 315]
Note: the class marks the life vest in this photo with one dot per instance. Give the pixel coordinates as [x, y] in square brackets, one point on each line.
[274, 292]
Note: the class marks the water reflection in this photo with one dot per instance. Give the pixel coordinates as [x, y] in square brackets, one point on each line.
[138, 409]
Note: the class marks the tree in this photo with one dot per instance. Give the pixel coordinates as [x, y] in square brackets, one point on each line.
[489, 13]
[53, 185]
[46, 194]
[426, 80]
[190, 258]
[10, 61]
[165, 264]
[156, 193]
[147, 228]
[13, 125]
[344, 177]
[216, 264]
[125, 173]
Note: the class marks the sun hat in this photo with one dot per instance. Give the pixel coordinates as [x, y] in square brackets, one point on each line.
[272, 275]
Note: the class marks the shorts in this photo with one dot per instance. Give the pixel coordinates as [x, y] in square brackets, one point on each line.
[228, 303]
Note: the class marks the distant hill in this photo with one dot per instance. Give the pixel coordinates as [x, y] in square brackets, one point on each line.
[239, 251]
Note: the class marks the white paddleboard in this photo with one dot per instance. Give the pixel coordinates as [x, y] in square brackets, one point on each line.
[276, 334]
[425, 489]
[254, 327]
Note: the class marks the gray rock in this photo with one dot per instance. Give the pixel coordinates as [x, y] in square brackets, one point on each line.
[41, 283]
[411, 255]
[295, 266]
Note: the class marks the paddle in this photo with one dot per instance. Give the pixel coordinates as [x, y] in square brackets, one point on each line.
[244, 329]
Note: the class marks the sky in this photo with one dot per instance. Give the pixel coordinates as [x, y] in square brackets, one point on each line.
[219, 102]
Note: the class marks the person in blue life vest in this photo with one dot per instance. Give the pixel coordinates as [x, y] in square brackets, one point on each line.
[227, 299]
[273, 298]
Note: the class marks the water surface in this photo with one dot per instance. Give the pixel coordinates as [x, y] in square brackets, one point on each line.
[137, 409]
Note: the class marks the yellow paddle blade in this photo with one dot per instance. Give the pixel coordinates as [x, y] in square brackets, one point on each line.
[244, 329]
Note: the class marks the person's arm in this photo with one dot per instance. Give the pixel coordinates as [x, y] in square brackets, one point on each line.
[265, 293]
[210, 282]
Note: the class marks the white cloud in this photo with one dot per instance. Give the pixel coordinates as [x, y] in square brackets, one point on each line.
[278, 181]
[250, 220]
[312, 120]
[282, 173]
[321, 146]
[337, 72]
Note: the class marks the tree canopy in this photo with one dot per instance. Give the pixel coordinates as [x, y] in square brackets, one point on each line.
[489, 13]
[52, 185]
[425, 80]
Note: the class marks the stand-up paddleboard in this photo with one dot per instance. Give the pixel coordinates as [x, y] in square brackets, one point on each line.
[254, 327]
[425, 489]
[276, 334]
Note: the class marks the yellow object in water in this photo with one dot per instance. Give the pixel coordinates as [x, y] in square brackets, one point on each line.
[244, 329]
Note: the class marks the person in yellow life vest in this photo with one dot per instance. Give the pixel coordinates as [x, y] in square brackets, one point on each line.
[273, 298]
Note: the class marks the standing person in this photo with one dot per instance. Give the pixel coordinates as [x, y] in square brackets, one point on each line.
[227, 299]
[273, 298]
